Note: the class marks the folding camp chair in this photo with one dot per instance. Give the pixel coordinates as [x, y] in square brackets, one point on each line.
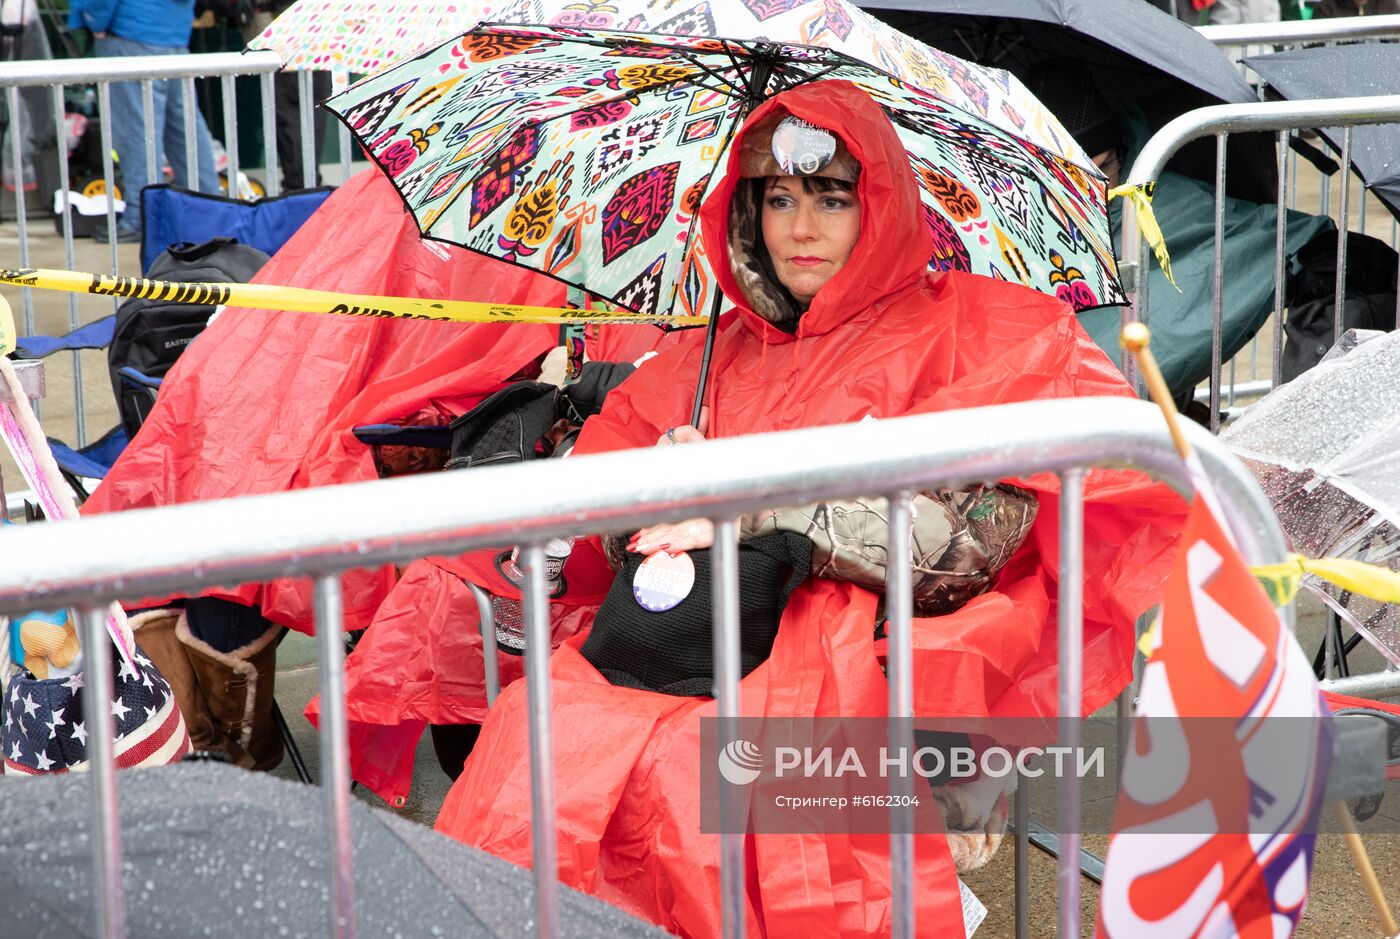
[169, 215]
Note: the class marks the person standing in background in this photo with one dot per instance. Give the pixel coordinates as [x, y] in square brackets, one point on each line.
[1224, 12]
[147, 27]
[287, 103]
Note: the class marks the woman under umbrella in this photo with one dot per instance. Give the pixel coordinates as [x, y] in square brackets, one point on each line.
[821, 243]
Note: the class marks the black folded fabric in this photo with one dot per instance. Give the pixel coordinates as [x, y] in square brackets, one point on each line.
[673, 651]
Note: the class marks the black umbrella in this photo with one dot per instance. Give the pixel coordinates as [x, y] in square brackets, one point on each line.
[1129, 50]
[1347, 71]
[211, 850]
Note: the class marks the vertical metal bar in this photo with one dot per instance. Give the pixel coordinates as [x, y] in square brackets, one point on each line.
[542, 819]
[269, 126]
[339, 81]
[1324, 192]
[154, 147]
[64, 186]
[1280, 232]
[725, 595]
[1338, 320]
[21, 213]
[487, 618]
[1134, 255]
[191, 140]
[230, 135]
[310, 158]
[1071, 581]
[109, 175]
[335, 752]
[98, 687]
[899, 611]
[1216, 340]
[1022, 809]
[1292, 175]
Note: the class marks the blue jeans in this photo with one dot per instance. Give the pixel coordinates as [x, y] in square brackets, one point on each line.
[167, 129]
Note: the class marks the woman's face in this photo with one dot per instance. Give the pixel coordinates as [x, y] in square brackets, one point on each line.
[809, 234]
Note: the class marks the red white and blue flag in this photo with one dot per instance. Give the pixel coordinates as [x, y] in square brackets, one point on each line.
[43, 729]
[1221, 788]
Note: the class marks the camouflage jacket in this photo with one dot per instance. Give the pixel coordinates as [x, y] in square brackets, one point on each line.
[962, 538]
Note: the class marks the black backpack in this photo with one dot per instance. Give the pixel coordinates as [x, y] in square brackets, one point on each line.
[150, 334]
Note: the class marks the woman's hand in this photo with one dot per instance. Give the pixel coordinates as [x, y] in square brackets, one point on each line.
[686, 433]
[690, 535]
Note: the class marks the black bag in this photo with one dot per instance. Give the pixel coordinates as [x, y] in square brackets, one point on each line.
[673, 652]
[150, 334]
[505, 428]
[1368, 300]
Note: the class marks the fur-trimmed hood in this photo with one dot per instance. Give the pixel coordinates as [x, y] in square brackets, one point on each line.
[895, 243]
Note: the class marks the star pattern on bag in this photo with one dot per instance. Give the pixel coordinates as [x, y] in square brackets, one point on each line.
[43, 728]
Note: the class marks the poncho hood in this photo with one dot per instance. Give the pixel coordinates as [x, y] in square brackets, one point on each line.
[895, 243]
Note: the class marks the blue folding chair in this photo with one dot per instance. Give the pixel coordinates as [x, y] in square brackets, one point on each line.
[169, 215]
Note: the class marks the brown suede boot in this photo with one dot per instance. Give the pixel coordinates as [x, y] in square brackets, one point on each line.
[154, 630]
[237, 689]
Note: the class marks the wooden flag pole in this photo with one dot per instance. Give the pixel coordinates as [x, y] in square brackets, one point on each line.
[1362, 860]
[1136, 339]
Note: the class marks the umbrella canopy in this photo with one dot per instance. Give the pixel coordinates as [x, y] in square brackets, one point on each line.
[1326, 450]
[209, 849]
[586, 154]
[1346, 71]
[1131, 47]
[1130, 52]
[366, 36]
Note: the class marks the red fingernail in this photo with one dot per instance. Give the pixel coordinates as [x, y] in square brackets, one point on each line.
[633, 539]
[632, 548]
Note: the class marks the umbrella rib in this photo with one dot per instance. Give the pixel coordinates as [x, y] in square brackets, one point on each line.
[718, 76]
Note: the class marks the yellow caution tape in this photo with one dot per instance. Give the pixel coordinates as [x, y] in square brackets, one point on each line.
[1147, 642]
[299, 299]
[1281, 581]
[1141, 198]
[7, 328]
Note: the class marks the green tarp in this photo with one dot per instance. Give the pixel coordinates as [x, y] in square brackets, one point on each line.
[1181, 320]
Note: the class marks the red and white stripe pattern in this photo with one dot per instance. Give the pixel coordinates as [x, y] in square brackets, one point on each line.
[44, 728]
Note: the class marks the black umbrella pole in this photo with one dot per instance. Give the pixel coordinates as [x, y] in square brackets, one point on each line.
[711, 328]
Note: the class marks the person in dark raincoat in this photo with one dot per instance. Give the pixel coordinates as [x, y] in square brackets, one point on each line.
[820, 339]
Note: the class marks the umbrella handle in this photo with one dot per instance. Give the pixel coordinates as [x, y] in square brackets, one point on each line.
[711, 328]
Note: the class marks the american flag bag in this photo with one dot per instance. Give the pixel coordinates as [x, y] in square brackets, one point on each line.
[43, 728]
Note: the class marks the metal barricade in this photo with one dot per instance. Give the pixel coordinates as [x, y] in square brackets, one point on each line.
[322, 532]
[1243, 39]
[58, 75]
[1221, 121]
[1297, 32]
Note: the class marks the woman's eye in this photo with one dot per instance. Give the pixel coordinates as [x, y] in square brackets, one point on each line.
[779, 202]
[835, 203]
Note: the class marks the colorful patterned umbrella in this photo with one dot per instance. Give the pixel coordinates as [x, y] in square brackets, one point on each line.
[585, 155]
[362, 37]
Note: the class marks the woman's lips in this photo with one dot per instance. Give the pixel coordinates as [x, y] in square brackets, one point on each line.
[806, 261]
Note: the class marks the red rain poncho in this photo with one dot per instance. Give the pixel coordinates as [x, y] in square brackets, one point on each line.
[883, 338]
[265, 402]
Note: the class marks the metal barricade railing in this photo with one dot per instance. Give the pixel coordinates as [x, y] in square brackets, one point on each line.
[323, 532]
[57, 75]
[1297, 32]
[1241, 40]
[1221, 121]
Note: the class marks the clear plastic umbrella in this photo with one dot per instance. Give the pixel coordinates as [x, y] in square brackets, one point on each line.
[1326, 450]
